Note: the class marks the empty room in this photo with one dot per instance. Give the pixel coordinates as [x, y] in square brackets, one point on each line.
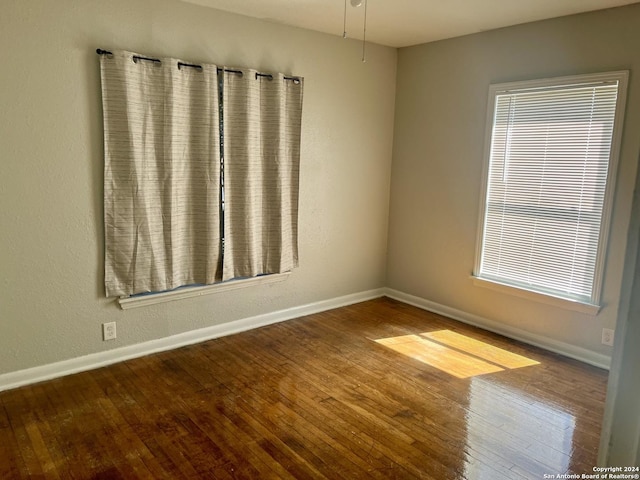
[319, 239]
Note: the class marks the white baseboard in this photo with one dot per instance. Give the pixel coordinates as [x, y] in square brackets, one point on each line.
[568, 350]
[96, 360]
[101, 359]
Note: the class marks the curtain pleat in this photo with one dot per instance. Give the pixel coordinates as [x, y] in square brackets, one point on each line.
[162, 174]
[261, 122]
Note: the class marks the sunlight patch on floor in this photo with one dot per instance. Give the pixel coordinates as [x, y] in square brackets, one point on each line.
[456, 354]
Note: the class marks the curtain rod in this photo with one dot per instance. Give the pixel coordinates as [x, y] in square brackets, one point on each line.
[136, 58]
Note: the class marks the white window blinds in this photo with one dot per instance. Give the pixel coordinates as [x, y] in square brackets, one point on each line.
[549, 177]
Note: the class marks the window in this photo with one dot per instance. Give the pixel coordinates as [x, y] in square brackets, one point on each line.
[171, 219]
[549, 170]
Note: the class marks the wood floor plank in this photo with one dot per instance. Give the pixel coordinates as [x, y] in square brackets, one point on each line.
[11, 462]
[440, 356]
[359, 400]
[317, 397]
[307, 401]
[479, 349]
[283, 422]
[359, 395]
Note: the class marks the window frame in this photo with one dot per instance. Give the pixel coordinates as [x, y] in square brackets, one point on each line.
[593, 306]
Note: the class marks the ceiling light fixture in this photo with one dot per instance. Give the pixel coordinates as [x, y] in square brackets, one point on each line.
[356, 4]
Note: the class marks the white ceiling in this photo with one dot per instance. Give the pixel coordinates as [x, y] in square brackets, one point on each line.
[400, 23]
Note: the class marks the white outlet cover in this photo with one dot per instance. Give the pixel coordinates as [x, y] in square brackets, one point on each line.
[109, 331]
[607, 336]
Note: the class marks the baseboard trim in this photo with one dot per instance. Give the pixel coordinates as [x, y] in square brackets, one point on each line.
[568, 350]
[100, 359]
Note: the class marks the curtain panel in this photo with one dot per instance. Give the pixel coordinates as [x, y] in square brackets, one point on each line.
[162, 174]
[199, 186]
[261, 121]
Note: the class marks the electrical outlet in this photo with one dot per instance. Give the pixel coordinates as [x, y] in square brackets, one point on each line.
[607, 336]
[109, 331]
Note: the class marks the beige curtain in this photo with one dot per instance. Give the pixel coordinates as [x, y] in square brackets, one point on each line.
[261, 123]
[162, 174]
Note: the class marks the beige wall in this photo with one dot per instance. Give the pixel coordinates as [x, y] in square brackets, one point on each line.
[51, 294]
[51, 291]
[437, 164]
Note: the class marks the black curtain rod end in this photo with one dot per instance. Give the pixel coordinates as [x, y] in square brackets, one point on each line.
[99, 51]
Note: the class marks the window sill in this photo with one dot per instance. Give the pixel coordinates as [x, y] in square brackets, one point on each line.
[142, 301]
[575, 305]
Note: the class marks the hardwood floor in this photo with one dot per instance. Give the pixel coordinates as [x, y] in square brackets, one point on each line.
[316, 397]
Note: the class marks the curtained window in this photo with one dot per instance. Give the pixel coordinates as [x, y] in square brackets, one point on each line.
[172, 138]
[549, 184]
